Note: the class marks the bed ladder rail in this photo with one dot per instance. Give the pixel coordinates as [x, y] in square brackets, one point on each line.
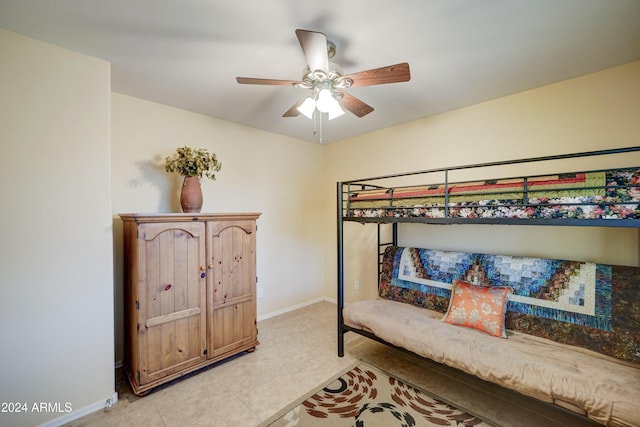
[383, 243]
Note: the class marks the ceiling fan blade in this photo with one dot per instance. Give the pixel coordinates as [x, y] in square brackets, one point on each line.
[293, 111]
[253, 81]
[378, 76]
[314, 47]
[353, 104]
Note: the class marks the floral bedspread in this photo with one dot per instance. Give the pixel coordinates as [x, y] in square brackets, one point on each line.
[620, 199]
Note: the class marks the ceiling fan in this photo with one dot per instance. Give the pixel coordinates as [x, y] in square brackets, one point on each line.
[326, 81]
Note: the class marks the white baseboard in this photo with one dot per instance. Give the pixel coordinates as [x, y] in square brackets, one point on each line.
[74, 415]
[295, 307]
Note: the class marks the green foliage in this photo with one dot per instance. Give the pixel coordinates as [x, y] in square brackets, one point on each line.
[189, 161]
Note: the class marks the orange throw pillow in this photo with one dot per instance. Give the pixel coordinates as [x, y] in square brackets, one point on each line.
[478, 307]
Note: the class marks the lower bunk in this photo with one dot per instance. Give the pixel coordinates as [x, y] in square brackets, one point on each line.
[563, 332]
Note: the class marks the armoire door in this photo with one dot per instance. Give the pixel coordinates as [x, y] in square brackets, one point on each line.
[171, 302]
[232, 260]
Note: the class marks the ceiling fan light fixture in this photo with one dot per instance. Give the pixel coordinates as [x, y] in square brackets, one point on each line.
[326, 102]
[337, 111]
[307, 107]
[326, 82]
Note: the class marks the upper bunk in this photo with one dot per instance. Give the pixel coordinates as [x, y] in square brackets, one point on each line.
[600, 194]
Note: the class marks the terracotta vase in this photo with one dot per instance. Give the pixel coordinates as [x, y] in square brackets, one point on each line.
[191, 195]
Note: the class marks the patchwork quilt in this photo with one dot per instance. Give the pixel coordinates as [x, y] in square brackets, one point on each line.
[590, 305]
[610, 195]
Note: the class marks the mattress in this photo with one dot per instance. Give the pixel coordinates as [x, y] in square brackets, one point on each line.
[604, 388]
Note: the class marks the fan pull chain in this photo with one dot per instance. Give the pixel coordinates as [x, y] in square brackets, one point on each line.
[317, 125]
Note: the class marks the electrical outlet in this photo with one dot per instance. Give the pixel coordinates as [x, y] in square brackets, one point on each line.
[357, 284]
[260, 292]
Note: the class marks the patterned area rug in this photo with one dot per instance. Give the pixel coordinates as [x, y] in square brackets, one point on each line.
[367, 397]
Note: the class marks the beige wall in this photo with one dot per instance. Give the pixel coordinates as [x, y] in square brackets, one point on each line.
[591, 112]
[56, 264]
[261, 172]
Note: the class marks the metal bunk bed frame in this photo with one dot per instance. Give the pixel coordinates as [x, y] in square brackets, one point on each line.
[344, 188]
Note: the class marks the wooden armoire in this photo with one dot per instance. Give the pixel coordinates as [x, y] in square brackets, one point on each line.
[190, 293]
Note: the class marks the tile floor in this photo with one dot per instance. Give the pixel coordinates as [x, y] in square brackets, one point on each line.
[297, 352]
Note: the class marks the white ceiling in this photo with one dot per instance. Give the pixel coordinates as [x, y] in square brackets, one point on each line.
[187, 53]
